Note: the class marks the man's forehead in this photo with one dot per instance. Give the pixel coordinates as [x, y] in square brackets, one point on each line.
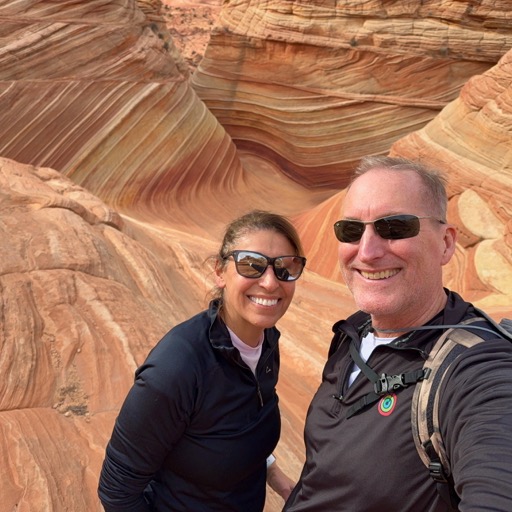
[383, 192]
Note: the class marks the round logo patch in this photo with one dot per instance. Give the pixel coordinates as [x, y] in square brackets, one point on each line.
[387, 404]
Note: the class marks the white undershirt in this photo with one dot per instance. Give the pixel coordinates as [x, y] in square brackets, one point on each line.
[250, 355]
[368, 344]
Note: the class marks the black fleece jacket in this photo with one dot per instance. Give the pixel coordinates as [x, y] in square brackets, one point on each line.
[369, 463]
[197, 426]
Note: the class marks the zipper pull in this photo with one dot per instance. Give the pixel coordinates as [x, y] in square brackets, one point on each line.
[259, 395]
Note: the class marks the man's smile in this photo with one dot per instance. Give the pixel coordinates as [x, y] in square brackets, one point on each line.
[382, 274]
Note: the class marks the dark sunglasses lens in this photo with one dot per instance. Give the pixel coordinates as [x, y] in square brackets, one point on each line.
[398, 227]
[288, 268]
[250, 264]
[253, 265]
[348, 230]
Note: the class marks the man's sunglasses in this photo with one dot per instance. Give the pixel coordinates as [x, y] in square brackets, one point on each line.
[393, 227]
[253, 265]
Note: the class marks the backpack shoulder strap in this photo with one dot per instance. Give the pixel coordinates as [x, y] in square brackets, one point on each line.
[425, 402]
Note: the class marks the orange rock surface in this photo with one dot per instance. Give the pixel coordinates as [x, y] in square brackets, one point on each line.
[123, 153]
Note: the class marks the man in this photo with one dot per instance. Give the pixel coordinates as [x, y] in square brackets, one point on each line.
[360, 453]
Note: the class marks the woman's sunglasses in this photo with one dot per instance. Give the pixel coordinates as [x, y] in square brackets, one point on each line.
[393, 227]
[253, 265]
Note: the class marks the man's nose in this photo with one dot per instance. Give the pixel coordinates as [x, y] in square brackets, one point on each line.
[371, 245]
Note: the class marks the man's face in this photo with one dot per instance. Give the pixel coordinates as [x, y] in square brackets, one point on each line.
[399, 282]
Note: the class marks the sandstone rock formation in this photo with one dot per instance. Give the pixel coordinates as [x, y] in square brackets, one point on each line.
[81, 302]
[471, 140]
[312, 85]
[91, 89]
[118, 170]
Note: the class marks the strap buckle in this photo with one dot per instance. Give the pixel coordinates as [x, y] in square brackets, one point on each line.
[437, 472]
[387, 383]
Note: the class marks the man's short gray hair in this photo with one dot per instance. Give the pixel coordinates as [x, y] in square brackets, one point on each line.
[433, 179]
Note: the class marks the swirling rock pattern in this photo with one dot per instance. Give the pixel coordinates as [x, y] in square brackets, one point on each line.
[312, 85]
[472, 140]
[93, 90]
[118, 170]
[81, 301]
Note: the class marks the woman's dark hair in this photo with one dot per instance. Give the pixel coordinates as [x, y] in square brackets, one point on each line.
[256, 220]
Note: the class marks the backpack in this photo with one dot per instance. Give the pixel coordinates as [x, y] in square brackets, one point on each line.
[425, 402]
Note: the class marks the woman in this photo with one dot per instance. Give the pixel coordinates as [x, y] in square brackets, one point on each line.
[196, 429]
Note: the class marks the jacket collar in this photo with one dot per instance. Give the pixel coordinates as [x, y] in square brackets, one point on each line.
[219, 334]
[454, 312]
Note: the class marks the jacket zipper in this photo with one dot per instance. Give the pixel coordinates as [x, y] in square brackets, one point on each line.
[338, 396]
[246, 368]
[258, 389]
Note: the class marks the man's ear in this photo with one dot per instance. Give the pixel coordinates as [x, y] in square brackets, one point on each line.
[449, 240]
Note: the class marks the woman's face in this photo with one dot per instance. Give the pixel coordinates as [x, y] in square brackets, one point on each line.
[251, 305]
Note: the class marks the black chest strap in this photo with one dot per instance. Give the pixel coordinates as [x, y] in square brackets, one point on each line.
[383, 384]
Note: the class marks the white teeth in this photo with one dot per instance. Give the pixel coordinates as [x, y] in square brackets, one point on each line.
[379, 275]
[264, 302]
